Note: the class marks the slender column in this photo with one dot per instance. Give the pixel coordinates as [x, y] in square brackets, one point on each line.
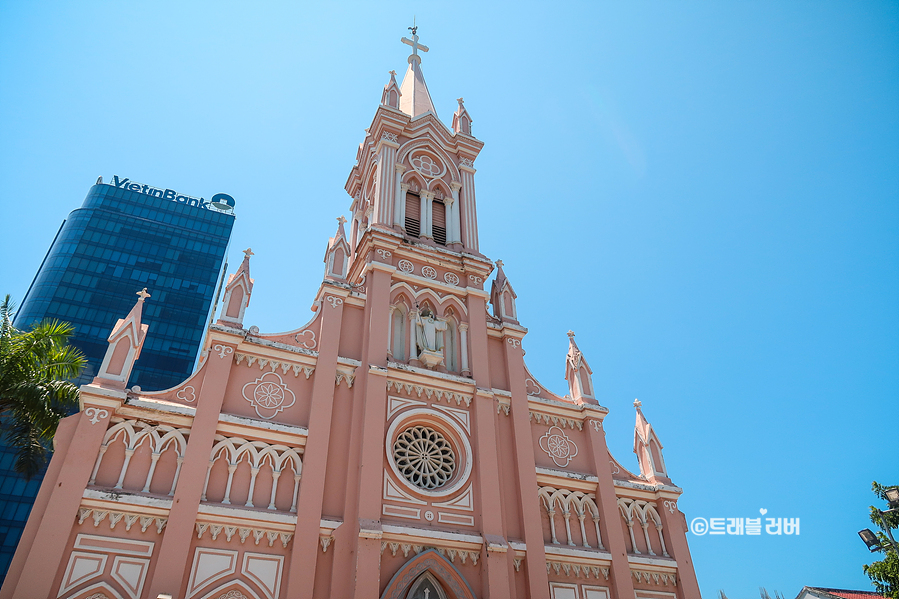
[385, 192]
[469, 212]
[153, 459]
[584, 542]
[567, 515]
[662, 540]
[276, 474]
[56, 524]
[304, 555]
[231, 469]
[178, 473]
[174, 550]
[552, 525]
[426, 198]
[399, 204]
[645, 526]
[254, 472]
[93, 479]
[463, 334]
[128, 454]
[630, 529]
[391, 334]
[620, 579]
[456, 236]
[413, 343]
[538, 582]
[206, 484]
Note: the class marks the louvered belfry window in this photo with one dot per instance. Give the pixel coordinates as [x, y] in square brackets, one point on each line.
[413, 215]
[438, 211]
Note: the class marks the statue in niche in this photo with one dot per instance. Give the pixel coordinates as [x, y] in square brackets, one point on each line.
[429, 338]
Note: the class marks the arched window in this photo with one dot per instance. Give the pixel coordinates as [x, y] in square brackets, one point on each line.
[398, 341]
[413, 214]
[438, 221]
[449, 343]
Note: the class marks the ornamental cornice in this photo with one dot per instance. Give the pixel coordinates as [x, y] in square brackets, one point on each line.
[658, 578]
[265, 348]
[550, 419]
[649, 490]
[292, 435]
[125, 501]
[553, 406]
[561, 479]
[274, 365]
[241, 534]
[576, 569]
[421, 376]
[429, 392]
[223, 514]
[163, 412]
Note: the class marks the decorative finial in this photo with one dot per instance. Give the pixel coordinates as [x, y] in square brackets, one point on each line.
[142, 294]
[637, 403]
[341, 219]
[571, 334]
[392, 74]
[460, 101]
[499, 263]
[248, 252]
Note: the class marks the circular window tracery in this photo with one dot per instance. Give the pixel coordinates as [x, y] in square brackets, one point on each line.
[424, 457]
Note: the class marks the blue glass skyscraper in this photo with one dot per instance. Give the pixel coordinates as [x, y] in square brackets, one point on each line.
[124, 237]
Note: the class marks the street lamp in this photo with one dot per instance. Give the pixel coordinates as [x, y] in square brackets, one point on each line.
[892, 497]
[870, 539]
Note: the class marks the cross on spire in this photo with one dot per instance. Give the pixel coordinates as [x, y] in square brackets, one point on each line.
[571, 334]
[637, 403]
[248, 252]
[341, 219]
[142, 294]
[414, 43]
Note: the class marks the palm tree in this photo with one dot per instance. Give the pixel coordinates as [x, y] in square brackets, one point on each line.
[34, 392]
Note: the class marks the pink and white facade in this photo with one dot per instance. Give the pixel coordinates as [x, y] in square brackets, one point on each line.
[395, 446]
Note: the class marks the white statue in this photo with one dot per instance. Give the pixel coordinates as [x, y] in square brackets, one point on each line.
[429, 342]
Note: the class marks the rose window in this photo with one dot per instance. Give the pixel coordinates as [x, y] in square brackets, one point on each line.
[426, 165]
[424, 457]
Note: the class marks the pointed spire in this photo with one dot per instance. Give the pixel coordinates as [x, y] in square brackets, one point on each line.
[237, 293]
[648, 448]
[392, 94]
[337, 256]
[578, 374]
[415, 98]
[125, 342]
[502, 297]
[461, 119]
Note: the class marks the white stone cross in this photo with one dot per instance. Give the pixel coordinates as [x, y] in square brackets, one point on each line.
[414, 42]
[142, 294]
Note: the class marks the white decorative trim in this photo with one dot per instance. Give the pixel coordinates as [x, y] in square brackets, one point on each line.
[258, 568]
[209, 566]
[429, 272]
[461, 415]
[401, 512]
[275, 365]
[464, 460]
[557, 445]
[96, 543]
[187, 394]
[334, 300]
[448, 518]
[95, 414]
[475, 279]
[394, 493]
[405, 266]
[465, 501]
[430, 392]
[396, 404]
[269, 395]
[383, 253]
[306, 342]
[451, 278]
[76, 572]
[556, 421]
[130, 573]
[223, 350]
[596, 424]
[577, 570]
[243, 533]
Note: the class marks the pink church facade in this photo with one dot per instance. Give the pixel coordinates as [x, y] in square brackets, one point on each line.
[395, 446]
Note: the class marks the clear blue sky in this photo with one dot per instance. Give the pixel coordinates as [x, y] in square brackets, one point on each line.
[706, 192]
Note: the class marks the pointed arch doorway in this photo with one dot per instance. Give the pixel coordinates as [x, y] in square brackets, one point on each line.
[428, 576]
